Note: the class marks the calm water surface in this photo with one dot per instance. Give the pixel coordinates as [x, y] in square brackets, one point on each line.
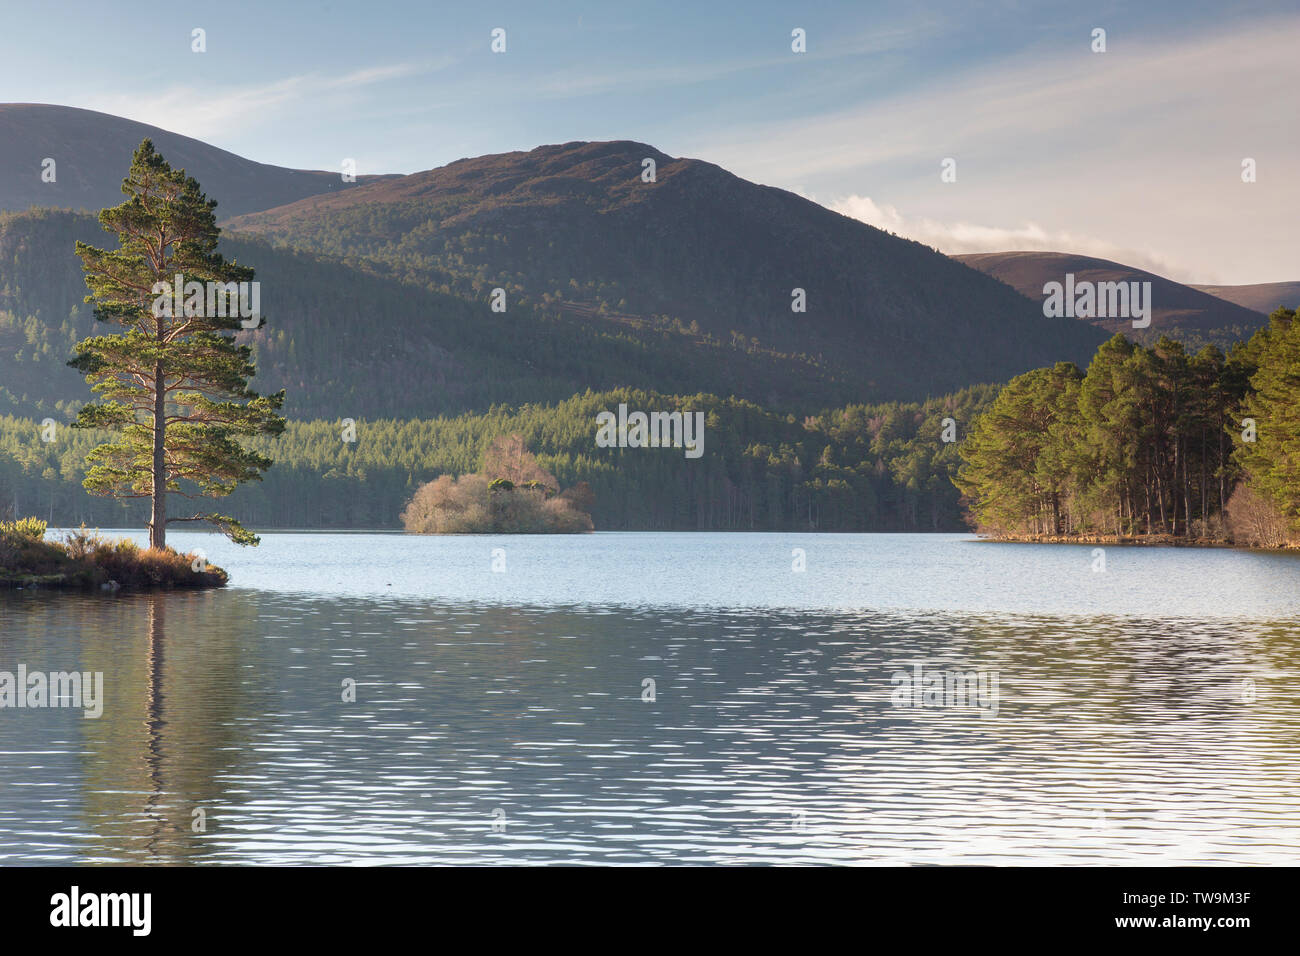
[1145, 714]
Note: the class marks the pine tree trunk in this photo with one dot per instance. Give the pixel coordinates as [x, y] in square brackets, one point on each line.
[158, 520]
[1222, 466]
[1204, 489]
[1160, 500]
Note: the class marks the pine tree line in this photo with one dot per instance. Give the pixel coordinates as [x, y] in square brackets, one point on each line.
[879, 467]
[1149, 441]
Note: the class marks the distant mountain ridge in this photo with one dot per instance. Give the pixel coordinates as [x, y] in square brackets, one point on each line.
[1263, 297]
[1178, 310]
[92, 151]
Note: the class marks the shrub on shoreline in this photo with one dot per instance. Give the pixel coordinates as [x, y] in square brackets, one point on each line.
[86, 560]
[1254, 521]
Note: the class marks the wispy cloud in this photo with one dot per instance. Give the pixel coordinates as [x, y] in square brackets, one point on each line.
[655, 75]
[1134, 152]
[211, 112]
[1078, 106]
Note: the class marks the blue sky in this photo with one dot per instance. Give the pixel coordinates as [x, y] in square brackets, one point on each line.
[1133, 154]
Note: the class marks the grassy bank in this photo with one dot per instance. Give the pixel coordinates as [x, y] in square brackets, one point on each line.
[84, 560]
[1148, 540]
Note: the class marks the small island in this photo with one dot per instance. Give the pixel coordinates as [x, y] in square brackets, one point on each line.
[87, 561]
[171, 388]
[513, 494]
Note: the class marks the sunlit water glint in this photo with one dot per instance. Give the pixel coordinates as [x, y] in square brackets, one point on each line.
[640, 698]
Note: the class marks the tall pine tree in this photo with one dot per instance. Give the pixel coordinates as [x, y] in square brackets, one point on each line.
[1272, 459]
[173, 383]
[1001, 477]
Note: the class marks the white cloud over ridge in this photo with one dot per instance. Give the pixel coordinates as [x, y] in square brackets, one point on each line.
[960, 238]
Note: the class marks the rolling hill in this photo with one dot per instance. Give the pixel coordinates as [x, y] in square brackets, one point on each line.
[93, 150]
[1180, 311]
[572, 229]
[1264, 297]
[378, 297]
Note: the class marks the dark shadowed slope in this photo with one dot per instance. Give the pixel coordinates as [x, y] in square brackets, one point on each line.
[92, 151]
[346, 340]
[574, 228]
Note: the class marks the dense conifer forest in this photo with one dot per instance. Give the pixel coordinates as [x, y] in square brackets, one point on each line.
[858, 468]
[1148, 441]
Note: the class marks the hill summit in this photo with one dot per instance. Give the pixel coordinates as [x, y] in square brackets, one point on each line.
[91, 152]
[577, 229]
